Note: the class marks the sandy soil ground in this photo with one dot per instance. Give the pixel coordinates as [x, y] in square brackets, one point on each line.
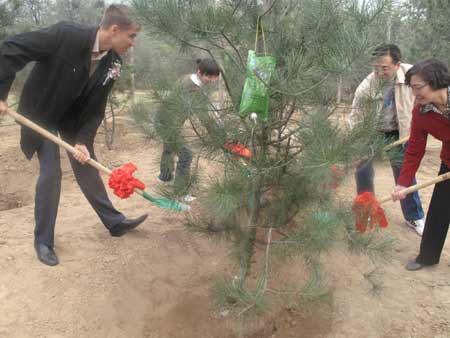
[154, 282]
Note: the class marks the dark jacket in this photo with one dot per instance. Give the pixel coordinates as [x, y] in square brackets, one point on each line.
[58, 94]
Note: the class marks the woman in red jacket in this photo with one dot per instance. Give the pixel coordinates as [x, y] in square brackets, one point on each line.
[430, 82]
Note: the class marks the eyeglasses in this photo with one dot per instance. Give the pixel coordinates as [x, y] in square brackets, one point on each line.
[382, 69]
[419, 87]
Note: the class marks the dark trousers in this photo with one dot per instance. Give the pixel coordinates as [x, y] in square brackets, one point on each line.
[437, 222]
[183, 169]
[411, 205]
[48, 189]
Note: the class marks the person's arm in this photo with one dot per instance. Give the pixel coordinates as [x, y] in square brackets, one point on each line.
[445, 152]
[414, 153]
[212, 126]
[207, 118]
[362, 93]
[18, 50]
[3, 107]
[82, 154]
[87, 132]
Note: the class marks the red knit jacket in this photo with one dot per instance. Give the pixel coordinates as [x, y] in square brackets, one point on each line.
[423, 124]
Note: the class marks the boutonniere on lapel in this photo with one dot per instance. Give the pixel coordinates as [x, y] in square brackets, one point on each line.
[113, 72]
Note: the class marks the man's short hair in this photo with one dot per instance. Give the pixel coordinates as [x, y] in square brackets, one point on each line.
[119, 15]
[388, 49]
[432, 71]
[208, 67]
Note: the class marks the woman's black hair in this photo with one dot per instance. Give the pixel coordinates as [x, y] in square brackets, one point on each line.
[432, 71]
[208, 67]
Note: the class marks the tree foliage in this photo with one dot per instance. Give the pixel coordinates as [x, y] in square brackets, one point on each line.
[286, 187]
[424, 29]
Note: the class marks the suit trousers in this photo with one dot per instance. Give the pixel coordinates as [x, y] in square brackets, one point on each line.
[436, 223]
[48, 189]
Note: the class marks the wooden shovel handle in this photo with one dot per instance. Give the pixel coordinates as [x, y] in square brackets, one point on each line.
[417, 187]
[396, 143]
[26, 122]
[52, 137]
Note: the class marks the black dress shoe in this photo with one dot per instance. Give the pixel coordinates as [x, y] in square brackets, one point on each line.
[46, 254]
[126, 225]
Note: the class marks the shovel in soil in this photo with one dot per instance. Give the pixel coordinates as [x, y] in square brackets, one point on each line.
[368, 211]
[121, 180]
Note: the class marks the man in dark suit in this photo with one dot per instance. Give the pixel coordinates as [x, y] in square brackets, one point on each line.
[66, 92]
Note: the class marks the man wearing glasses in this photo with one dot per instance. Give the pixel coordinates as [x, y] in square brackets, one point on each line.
[385, 87]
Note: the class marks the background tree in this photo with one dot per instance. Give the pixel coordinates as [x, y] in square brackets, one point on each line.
[8, 12]
[86, 12]
[424, 30]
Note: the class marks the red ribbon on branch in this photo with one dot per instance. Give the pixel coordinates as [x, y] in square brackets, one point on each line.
[368, 212]
[238, 149]
[122, 181]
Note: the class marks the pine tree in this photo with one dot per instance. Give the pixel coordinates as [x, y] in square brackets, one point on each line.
[424, 30]
[283, 196]
[8, 11]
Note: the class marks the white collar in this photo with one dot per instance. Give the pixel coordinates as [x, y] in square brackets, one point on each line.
[196, 80]
[96, 49]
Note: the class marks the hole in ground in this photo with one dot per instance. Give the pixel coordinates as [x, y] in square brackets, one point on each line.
[13, 201]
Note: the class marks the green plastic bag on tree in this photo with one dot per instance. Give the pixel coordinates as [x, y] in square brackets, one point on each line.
[255, 95]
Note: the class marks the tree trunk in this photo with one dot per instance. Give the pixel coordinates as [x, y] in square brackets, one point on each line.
[339, 90]
[389, 23]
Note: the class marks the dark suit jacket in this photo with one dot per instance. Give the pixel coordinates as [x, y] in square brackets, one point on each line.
[58, 94]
